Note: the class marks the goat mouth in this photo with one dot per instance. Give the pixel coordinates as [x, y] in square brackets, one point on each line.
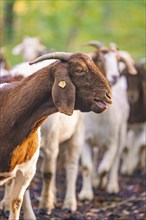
[101, 104]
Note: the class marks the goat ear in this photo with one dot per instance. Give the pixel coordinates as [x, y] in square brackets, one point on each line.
[17, 50]
[63, 93]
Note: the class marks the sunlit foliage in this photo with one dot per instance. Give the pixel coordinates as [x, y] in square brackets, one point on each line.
[64, 25]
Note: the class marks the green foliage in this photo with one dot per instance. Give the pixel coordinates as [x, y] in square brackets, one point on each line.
[65, 25]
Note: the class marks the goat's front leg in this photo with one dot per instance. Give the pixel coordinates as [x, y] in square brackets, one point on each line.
[48, 194]
[5, 202]
[21, 182]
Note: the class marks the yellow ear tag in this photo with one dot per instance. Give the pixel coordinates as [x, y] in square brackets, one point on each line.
[62, 84]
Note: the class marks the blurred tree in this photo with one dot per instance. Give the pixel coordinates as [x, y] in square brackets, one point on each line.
[77, 22]
[65, 25]
[9, 19]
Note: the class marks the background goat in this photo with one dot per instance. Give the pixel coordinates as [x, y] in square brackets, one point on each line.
[136, 144]
[109, 130]
[30, 48]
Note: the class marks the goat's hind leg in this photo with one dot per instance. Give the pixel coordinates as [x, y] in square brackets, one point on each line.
[73, 153]
[48, 194]
[27, 207]
[86, 192]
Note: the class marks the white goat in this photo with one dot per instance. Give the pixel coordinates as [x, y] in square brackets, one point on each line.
[108, 131]
[60, 129]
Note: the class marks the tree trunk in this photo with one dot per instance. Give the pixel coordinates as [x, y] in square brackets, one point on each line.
[9, 19]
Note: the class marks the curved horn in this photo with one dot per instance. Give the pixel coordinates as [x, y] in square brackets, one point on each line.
[95, 43]
[56, 55]
[127, 59]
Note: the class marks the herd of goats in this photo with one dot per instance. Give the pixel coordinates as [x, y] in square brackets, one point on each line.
[94, 101]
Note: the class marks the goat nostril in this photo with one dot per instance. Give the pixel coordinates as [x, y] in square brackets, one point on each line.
[114, 78]
[108, 95]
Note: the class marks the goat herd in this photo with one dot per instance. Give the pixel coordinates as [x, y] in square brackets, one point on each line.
[95, 101]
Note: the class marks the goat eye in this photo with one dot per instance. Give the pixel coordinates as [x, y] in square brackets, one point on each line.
[80, 71]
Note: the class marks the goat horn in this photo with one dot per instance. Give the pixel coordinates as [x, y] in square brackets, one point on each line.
[96, 44]
[56, 55]
[125, 57]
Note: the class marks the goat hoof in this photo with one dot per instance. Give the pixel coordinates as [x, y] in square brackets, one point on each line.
[86, 195]
[72, 207]
[4, 215]
[45, 211]
[112, 189]
[67, 210]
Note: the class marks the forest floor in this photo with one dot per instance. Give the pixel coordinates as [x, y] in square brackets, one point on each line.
[128, 204]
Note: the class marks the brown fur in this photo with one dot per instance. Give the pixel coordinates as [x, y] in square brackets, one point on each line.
[25, 104]
[9, 78]
[15, 205]
[25, 151]
[98, 58]
[137, 94]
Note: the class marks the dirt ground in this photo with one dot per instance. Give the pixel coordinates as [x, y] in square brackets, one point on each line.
[128, 204]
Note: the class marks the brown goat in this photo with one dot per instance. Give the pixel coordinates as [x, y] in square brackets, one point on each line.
[136, 94]
[134, 152]
[74, 82]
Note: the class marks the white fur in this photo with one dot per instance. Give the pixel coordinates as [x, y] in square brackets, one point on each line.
[136, 139]
[111, 66]
[25, 69]
[57, 130]
[107, 129]
[3, 85]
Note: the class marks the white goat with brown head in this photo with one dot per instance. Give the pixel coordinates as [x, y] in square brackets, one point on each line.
[109, 129]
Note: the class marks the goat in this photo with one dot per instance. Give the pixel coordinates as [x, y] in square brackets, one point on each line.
[74, 82]
[106, 130]
[52, 139]
[136, 92]
[106, 60]
[58, 131]
[30, 48]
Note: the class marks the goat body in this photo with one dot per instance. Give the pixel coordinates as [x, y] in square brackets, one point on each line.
[106, 130]
[58, 130]
[19, 109]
